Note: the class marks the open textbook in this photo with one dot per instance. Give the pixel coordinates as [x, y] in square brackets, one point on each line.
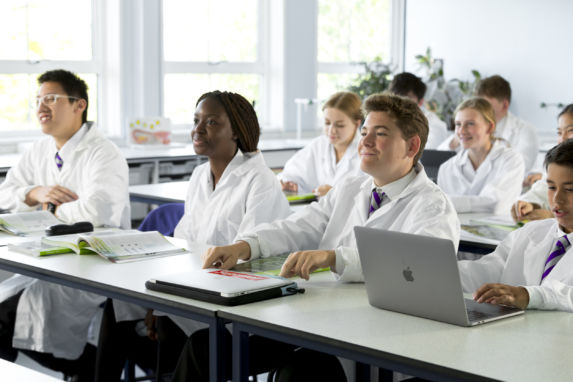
[27, 223]
[115, 245]
[492, 227]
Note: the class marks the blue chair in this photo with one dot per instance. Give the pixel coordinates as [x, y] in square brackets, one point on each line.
[163, 219]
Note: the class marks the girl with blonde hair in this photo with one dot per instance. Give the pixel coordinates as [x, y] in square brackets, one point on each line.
[331, 157]
[485, 176]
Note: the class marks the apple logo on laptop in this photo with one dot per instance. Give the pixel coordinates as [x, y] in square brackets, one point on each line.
[408, 274]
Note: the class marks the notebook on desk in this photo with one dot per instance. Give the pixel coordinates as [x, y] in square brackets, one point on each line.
[418, 275]
[226, 287]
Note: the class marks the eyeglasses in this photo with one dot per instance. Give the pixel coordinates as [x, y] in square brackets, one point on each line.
[51, 99]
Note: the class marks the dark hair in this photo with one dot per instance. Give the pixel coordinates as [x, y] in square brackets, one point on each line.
[242, 115]
[566, 110]
[405, 82]
[347, 102]
[494, 87]
[409, 118]
[562, 154]
[73, 85]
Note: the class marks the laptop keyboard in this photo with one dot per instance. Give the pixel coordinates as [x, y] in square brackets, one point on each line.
[475, 315]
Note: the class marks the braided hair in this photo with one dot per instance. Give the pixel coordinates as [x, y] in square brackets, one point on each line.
[242, 116]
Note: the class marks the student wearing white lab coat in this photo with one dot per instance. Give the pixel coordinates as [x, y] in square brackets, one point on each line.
[520, 135]
[409, 85]
[231, 193]
[486, 176]
[330, 158]
[518, 272]
[87, 181]
[533, 205]
[393, 137]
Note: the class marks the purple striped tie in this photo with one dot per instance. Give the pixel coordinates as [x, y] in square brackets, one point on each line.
[556, 254]
[375, 200]
[59, 161]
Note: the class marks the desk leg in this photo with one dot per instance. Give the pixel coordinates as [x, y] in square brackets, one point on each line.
[217, 351]
[362, 372]
[240, 354]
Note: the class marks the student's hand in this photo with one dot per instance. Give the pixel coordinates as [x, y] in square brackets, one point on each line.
[538, 214]
[520, 209]
[502, 294]
[531, 178]
[302, 263]
[56, 195]
[454, 143]
[150, 321]
[227, 256]
[322, 189]
[289, 186]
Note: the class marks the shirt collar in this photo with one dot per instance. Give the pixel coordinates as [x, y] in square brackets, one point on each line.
[69, 147]
[394, 189]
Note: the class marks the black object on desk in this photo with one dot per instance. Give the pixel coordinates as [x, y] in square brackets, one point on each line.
[65, 229]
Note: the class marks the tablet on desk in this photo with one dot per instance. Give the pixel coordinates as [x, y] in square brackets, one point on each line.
[226, 287]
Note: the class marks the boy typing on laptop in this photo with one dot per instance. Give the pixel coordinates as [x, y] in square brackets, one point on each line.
[532, 267]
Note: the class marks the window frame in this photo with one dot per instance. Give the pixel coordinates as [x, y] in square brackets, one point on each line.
[102, 11]
[258, 67]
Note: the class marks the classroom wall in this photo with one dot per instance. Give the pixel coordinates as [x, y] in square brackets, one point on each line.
[526, 41]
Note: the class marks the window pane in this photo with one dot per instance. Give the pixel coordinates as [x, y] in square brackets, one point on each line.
[210, 30]
[183, 90]
[330, 83]
[351, 31]
[18, 98]
[45, 30]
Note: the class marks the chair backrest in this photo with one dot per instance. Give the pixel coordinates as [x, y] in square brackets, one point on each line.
[432, 160]
[163, 219]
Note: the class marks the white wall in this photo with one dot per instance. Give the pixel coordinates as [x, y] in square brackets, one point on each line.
[528, 42]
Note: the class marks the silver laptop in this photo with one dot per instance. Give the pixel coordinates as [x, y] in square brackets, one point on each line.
[418, 275]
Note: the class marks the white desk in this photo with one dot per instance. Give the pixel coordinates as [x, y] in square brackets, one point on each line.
[125, 282]
[159, 193]
[12, 372]
[337, 318]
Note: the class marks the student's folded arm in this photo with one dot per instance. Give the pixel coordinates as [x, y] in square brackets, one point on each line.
[552, 295]
[301, 230]
[105, 193]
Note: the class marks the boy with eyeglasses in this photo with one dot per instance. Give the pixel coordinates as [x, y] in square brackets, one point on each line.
[81, 176]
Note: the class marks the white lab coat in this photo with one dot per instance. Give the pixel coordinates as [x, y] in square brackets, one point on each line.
[248, 194]
[438, 130]
[420, 208]
[519, 261]
[315, 164]
[537, 193]
[495, 186]
[96, 171]
[53, 318]
[520, 135]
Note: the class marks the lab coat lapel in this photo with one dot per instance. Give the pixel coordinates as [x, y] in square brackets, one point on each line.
[535, 257]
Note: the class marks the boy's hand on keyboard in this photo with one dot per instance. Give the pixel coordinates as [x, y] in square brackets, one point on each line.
[302, 263]
[502, 294]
